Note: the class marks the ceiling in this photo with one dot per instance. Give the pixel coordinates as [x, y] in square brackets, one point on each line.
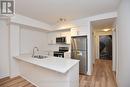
[50, 11]
[103, 24]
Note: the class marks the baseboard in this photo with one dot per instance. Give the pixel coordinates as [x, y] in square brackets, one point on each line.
[29, 81]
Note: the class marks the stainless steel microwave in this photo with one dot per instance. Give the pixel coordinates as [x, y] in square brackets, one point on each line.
[61, 40]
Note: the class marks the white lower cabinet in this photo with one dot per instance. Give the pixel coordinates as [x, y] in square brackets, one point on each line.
[67, 55]
[51, 53]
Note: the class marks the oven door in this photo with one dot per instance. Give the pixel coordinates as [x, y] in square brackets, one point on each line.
[58, 54]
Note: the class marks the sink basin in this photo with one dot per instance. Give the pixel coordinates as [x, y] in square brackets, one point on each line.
[40, 56]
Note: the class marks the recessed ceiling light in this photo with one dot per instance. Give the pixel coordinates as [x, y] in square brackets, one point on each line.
[106, 30]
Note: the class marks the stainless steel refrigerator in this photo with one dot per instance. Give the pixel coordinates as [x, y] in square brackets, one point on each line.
[79, 52]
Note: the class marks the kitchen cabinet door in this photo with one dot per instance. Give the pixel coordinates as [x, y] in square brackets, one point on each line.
[68, 37]
[67, 55]
[63, 34]
[57, 34]
[51, 38]
[74, 32]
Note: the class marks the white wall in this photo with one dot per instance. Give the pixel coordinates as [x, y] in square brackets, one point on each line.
[103, 16]
[30, 38]
[93, 45]
[22, 40]
[14, 49]
[114, 49]
[123, 27]
[19, 19]
[4, 49]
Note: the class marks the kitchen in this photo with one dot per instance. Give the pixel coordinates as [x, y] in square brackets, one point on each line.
[46, 55]
[56, 61]
[23, 38]
[26, 38]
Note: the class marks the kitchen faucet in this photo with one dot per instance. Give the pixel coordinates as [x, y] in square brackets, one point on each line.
[34, 51]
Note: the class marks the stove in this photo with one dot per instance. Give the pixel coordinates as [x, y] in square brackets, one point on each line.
[61, 51]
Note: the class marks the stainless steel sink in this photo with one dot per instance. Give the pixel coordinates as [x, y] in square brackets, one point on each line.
[40, 56]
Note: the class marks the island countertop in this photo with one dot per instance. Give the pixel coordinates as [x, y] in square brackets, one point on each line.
[61, 65]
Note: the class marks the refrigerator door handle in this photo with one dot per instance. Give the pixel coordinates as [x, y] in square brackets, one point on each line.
[79, 53]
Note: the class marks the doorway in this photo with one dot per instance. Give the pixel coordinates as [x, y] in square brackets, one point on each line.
[104, 29]
[105, 47]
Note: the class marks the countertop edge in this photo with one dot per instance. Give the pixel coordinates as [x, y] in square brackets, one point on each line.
[63, 72]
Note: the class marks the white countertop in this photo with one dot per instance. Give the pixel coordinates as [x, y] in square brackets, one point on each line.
[61, 65]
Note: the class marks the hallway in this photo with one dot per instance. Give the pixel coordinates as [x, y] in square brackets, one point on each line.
[102, 75]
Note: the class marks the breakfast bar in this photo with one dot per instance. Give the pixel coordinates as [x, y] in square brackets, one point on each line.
[50, 71]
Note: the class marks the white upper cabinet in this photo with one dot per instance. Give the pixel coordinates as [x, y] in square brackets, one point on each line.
[66, 33]
[63, 34]
[53, 35]
[68, 37]
[51, 38]
[74, 32]
[79, 31]
[58, 34]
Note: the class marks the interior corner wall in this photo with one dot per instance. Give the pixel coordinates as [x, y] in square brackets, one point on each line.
[93, 45]
[14, 49]
[4, 48]
[90, 51]
[123, 26]
[32, 37]
[114, 50]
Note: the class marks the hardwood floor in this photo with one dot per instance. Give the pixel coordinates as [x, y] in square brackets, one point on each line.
[15, 82]
[102, 77]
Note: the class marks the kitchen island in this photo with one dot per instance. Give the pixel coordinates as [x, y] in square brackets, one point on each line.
[49, 72]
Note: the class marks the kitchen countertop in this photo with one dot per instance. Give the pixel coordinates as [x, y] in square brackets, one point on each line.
[61, 65]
